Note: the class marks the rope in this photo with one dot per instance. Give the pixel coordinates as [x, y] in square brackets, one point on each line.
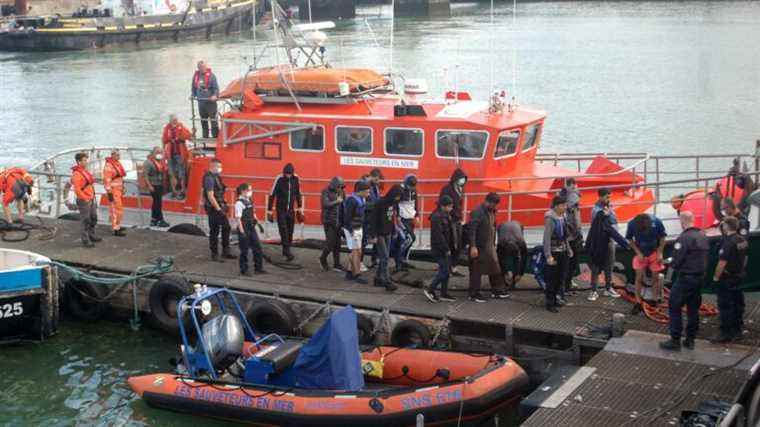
[161, 265]
[22, 231]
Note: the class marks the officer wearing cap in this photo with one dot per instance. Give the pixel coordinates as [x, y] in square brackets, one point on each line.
[689, 262]
[729, 273]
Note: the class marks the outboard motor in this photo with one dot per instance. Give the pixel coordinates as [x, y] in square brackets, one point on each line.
[224, 336]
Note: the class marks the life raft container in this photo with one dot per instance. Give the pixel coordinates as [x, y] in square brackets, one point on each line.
[443, 386]
[318, 79]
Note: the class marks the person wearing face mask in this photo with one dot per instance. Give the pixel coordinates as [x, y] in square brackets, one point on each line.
[455, 190]
[216, 209]
[483, 259]
[246, 222]
[154, 169]
[286, 192]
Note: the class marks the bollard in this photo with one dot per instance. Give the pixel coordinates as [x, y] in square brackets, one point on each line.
[420, 420]
[618, 325]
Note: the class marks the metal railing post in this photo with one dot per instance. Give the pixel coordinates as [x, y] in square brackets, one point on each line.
[509, 207]
[704, 209]
[697, 166]
[657, 183]
[58, 195]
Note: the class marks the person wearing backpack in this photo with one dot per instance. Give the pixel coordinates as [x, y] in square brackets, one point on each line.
[352, 222]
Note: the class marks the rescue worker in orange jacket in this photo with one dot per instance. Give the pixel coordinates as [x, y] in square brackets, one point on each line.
[84, 186]
[113, 180]
[175, 151]
[16, 186]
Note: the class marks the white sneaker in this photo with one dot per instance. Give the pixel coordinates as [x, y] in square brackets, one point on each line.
[593, 296]
[611, 293]
[363, 268]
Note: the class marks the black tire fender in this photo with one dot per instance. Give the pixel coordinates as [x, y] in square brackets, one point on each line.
[83, 300]
[271, 316]
[409, 333]
[163, 299]
[186, 228]
[365, 330]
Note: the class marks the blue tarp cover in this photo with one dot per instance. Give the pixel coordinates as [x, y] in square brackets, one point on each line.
[331, 359]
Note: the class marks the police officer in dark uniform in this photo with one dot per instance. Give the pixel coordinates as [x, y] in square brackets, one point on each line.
[689, 262]
[729, 208]
[216, 209]
[246, 220]
[729, 273]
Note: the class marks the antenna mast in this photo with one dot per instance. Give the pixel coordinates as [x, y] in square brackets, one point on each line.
[393, 14]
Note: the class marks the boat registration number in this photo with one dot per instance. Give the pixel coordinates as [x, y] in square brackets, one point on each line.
[11, 310]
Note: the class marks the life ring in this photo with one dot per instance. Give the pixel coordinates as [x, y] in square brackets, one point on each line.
[83, 300]
[186, 228]
[268, 316]
[365, 330]
[163, 299]
[410, 333]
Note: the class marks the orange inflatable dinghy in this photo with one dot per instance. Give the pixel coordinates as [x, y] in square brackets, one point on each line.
[443, 386]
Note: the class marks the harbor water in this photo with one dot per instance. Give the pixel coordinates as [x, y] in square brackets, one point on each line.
[660, 77]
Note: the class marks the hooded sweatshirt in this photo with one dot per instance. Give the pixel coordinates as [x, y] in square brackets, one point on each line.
[456, 192]
[555, 233]
[330, 203]
[287, 191]
[407, 207]
[383, 213]
[598, 240]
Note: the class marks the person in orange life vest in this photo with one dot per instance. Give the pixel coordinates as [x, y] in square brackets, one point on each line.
[174, 138]
[84, 186]
[16, 186]
[113, 179]
[205, 90]
[154, 168]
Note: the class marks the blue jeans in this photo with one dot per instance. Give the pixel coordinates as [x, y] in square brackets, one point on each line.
[441, 279]
[382, 252]
[685, 292]
[731, 306]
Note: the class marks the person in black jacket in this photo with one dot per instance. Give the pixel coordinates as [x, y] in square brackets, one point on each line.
[455, 190]
[441, 245]
[286, 191]
[482, 240]
[598, 247]
[332, 198]
[382, 226]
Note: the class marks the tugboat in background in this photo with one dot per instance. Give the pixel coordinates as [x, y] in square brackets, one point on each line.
[142, 21]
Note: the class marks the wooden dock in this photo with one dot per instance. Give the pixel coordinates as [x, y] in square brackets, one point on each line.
[518, 326]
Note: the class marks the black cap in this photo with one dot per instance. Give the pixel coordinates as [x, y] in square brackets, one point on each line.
[362, 186]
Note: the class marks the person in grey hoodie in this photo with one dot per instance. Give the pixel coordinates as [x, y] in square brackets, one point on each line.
[332, 199]
[557, 251]
[512, 251]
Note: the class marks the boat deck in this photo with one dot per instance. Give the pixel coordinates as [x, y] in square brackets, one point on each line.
[634, 383]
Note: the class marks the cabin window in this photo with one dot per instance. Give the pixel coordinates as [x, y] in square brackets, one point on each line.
[531, 136]
[404, 142]
[462, 144]
[308, 139]
[506, 145]
[353, 139]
